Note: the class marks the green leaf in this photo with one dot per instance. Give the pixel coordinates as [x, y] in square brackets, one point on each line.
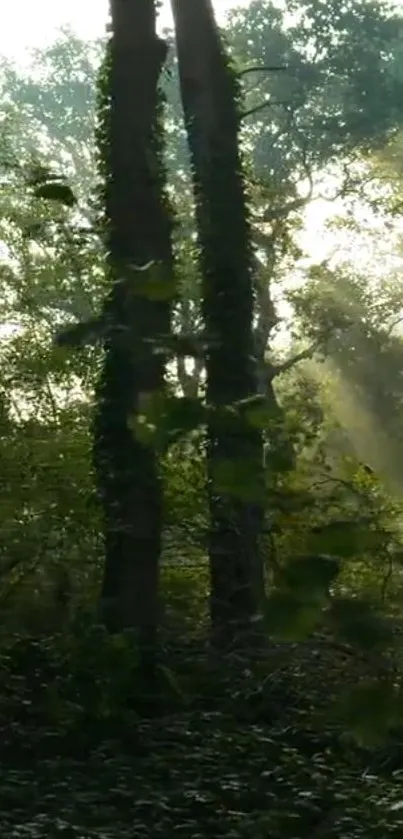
[289, 618]
[355, 621]
[370, 710]
[184, 414]
[343, 538]
[152, 405]
[261, 416]
[155, 282]
[162, 419]
[56, 192]
[397, 556]
[239, 478]
[145, 432]
[311, 575]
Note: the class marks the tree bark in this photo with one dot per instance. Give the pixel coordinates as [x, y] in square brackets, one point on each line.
[138, 234]
[210, 102]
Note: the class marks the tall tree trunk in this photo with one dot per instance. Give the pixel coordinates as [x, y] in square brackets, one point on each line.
[210, 102]
[138, 236]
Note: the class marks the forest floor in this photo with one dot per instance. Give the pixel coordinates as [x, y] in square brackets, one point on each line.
[201, 776]
[243, 766]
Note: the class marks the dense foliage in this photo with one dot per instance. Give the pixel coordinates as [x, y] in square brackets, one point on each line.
[302, 735]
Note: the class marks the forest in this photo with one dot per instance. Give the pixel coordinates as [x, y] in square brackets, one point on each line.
[201, 426]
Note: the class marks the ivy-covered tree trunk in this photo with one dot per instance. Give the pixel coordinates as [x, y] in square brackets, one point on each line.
[235, 460]
[138, 242]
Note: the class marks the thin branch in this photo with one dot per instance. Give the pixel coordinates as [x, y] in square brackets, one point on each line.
[295, 359]
[290, 207]
[393, 324]
[350, 183]
[327, 479]
[283, 211]
[260, 107]
[263, 68]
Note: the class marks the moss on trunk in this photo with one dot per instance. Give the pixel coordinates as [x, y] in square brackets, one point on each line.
[210, 100]
[137, 233]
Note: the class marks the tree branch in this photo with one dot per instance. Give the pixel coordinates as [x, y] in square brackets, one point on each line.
[263, 68]
[260, 107]
[295, 359]
[296, 203]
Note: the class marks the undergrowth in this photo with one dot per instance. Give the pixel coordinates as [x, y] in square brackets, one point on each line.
[234, 749]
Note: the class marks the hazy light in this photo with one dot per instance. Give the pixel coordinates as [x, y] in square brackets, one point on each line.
[27, 24]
